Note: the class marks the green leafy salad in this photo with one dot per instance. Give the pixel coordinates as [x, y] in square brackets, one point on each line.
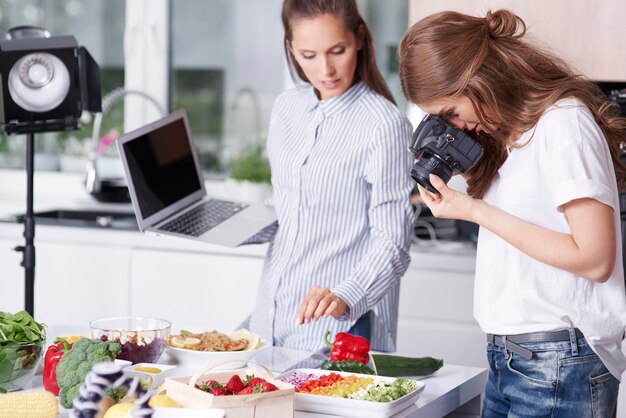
[384, 391]
[21, 341]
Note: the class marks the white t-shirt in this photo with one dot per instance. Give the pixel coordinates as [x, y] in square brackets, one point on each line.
[566, 159]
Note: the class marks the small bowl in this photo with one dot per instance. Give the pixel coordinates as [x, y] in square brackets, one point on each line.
[142, 339]
[18, 364]
[185, 356]
[152, 378]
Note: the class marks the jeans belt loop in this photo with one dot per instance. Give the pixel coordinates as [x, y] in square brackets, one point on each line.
[573, 341]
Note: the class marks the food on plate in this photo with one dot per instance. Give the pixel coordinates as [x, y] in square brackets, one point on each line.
[254, 340]
[348, 347]
[384, 391]
[212, 341]
[22, 341]
[39, 404]
[77, 363]
[350, 386]
[55, 351]
[163, 401]
[236, 386]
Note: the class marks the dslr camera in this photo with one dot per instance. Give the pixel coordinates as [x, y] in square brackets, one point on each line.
[441, 149]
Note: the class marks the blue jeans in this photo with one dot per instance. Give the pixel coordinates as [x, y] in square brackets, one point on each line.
[560, 381]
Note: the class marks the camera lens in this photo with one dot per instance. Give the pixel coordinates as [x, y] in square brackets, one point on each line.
[429, 163]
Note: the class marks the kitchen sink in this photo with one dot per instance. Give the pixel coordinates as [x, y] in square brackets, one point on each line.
[85, 218]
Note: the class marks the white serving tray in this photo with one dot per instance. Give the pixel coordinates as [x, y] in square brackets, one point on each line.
[351, 407]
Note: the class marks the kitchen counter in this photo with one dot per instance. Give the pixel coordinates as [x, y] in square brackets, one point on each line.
[452, 390]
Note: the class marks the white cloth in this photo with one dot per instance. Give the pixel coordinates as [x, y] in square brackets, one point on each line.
[567, 158]
[341, 186]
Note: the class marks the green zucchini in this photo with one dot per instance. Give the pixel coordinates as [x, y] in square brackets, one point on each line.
[394, 366]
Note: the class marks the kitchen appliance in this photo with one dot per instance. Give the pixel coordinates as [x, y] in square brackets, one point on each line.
[112, 189]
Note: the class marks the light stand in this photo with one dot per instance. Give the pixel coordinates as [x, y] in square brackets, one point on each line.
[47, 83]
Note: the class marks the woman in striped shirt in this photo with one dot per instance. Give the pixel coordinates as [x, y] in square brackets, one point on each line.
[337, 148]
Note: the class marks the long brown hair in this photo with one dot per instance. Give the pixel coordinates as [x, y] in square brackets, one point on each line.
[348, 12]
[510, 82]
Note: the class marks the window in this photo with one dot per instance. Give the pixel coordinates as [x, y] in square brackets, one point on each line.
[221, 60]
[228, 66]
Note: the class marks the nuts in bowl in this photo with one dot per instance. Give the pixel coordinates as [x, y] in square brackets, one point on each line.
[142, 339]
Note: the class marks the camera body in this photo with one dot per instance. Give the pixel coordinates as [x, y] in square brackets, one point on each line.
[441, 149]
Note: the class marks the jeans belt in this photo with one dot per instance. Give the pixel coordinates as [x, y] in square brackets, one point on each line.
[510, 342]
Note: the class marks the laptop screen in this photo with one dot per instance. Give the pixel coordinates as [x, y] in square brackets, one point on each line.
[161, 166]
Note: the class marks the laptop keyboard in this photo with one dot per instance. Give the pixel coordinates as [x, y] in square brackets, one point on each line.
[203, 217]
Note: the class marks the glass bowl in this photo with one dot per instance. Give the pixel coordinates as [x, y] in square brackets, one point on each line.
[18, 364]
[142, 339]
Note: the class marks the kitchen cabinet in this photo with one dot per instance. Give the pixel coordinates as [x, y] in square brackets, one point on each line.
[73, 281]
[435, 317]
[585, 33]
[217, 291]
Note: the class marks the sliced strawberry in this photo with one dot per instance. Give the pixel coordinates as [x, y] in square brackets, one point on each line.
[219, 391]
[235, 384]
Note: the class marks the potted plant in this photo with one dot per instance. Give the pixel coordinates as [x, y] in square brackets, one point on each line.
[250, 173]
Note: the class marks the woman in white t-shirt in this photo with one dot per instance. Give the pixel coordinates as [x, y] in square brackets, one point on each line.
[549, 287]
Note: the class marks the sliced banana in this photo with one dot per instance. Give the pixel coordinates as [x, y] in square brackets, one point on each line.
[254, 340]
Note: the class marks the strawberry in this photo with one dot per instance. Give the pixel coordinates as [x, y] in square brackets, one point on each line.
[208, 385]
[267, 387]
[246, 391]
[218, 391]
[235, 384]
[254, 381]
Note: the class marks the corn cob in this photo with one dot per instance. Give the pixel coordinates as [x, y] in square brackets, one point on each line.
[29, 405]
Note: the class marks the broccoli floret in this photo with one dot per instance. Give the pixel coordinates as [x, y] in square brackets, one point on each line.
[76, 363]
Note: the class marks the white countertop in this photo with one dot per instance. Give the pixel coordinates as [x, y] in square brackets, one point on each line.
[451, 389]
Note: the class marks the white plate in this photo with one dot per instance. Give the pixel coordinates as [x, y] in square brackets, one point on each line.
[184, 356]
[352, 407]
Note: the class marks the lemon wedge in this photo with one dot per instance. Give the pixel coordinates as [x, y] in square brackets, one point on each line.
[191, 342]
[254, 340]
[177, 342]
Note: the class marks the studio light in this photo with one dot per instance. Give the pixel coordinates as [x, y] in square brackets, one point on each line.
[47, 82]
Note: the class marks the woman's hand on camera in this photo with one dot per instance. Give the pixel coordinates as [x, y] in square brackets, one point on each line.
[448, 203]
[320, 301]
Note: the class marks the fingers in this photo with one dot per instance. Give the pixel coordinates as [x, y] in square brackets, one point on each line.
[438, 184]
[318, 302]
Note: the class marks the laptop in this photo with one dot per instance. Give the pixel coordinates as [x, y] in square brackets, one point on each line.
[168, 193]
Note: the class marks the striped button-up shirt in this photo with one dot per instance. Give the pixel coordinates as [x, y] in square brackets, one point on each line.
[341, 185]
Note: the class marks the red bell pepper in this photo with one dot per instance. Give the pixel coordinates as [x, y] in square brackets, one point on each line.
[53, 354]
[348, 347]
